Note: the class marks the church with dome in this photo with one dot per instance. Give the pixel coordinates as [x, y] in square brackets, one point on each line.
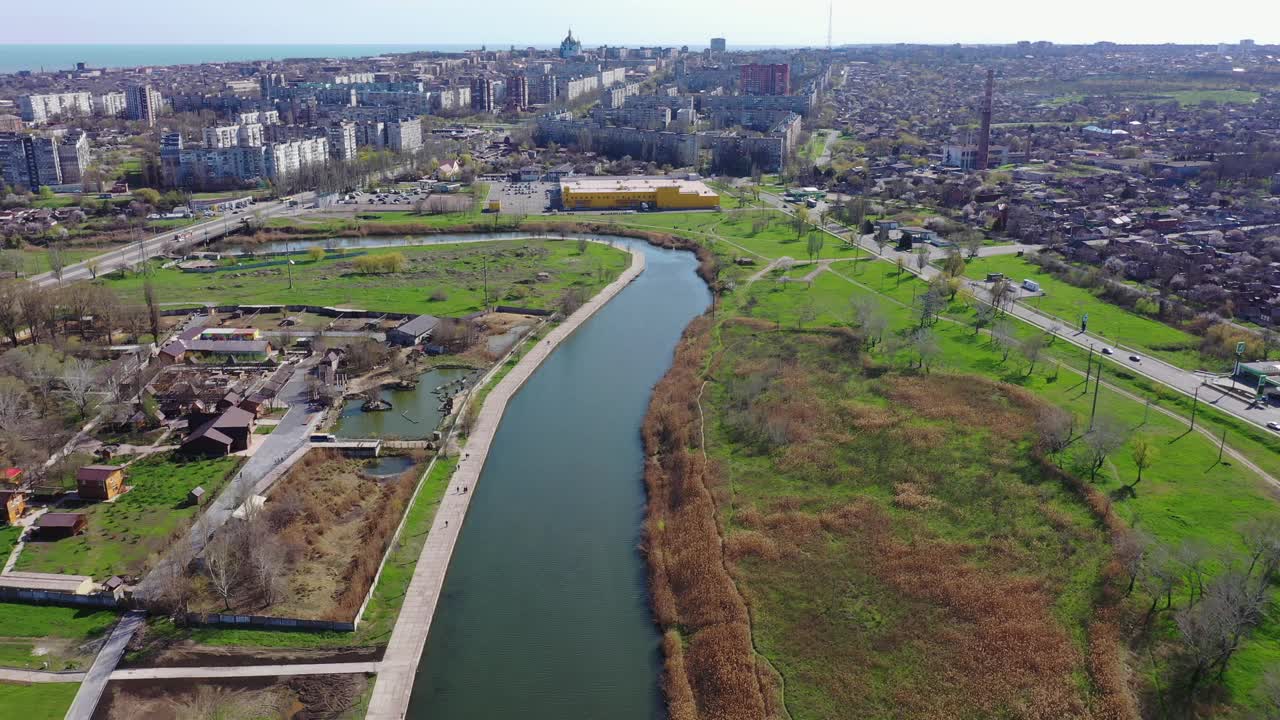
[570, 46]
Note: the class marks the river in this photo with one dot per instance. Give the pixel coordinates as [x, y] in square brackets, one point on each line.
[544, 613]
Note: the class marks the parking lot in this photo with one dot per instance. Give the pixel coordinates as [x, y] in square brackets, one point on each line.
[523, 198]
[398, 199]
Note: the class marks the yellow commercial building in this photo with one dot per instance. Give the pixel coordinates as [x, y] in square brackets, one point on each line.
[634, 193]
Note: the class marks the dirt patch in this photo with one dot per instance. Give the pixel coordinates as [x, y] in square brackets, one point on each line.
[320, 536]
[190, 654]
[315, 697]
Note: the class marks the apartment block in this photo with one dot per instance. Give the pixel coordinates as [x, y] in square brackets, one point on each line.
[73, 156]
[110, 104]
[143, 103]
[765, 79]
[482, 94]
[40, 109]
[29, 161]
[405, 136]
[342, 140]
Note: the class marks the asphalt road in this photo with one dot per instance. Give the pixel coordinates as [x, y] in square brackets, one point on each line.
[1176, 378]
[133, 253]
[290, 435]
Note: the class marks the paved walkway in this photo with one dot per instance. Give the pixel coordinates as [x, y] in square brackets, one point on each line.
[95, 681]
[274, 454]
[39, 676]
[391, 694]
[165, 673]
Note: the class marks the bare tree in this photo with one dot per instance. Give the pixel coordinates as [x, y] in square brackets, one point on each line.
[1031, 348]
[983, 315]
[11, 316]
[1159, 577]
[16, 406]
[80, 380]
[266, 561]
[921, 257]
[1212, 630]
[1106, 437]
[1131, 548]
[223, 561]
[1261, 540]
[1193, 556]
[1055, 429]
[1002, 336]
[1002, 293]
[869, 315]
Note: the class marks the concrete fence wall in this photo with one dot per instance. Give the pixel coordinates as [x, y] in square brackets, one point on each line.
[49, 597]
[268, 263]
[271, 623]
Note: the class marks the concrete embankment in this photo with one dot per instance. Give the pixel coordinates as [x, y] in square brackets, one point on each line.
[394, 686]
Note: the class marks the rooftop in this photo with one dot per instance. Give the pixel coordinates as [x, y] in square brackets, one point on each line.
[634, 184]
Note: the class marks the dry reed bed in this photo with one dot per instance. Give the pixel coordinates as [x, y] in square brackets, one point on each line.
[711, 669]
[998, 648]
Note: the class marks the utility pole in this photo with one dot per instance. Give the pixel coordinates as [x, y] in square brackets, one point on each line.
[484, 262]
[1195, 405]
[1097, 385]
[1088, 371]
[1222, 444]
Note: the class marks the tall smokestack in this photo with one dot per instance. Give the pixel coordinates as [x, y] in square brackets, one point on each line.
[984, 133]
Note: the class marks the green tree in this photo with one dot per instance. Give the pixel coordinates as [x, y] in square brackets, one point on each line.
[315, 254]
[816, 242]
[1144, 454]
[45, 193]
[147, 195]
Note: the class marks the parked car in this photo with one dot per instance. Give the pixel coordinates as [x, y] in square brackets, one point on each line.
[1274, 426]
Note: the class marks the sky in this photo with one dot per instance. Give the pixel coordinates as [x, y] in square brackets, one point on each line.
[499, 23]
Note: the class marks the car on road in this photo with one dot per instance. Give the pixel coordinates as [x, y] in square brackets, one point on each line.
[1274, 426]
[1108, 351]
[1135, 358]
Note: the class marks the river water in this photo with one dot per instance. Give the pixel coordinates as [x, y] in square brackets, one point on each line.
[414, 414]
[545, 612]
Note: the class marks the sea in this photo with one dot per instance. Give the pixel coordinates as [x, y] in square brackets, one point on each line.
[36, 58]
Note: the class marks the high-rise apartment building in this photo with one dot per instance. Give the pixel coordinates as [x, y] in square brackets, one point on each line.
[482, 94]
[517, 92]
[405, 136]
[40, 109]
[142, 103]
[342, 140]
[29, 161]
[73, 156]
[758, 79]
[111, 104]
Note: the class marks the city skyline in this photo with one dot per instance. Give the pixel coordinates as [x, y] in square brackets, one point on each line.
[749, 23]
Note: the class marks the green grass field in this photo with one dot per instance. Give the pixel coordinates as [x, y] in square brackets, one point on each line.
[1186, 497]
[384, 607]
[847, 615]
[40, 701]
[57, 631]
[123, 535]
[443, 280]
[1068, 303]
[35, 260]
